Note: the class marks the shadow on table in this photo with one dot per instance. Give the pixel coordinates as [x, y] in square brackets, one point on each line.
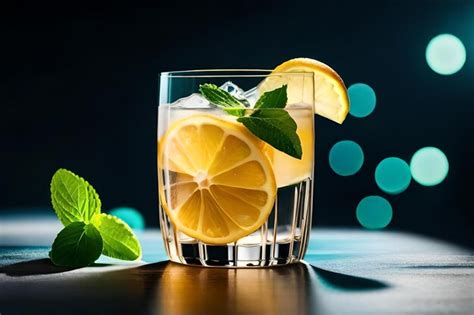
[343, 282]
[36, 267]
[33, 267]
[168, 288]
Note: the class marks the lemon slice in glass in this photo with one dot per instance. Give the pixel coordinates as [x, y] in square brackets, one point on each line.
[220, 184]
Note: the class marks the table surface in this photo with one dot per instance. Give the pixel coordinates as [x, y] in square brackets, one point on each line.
[346, 271]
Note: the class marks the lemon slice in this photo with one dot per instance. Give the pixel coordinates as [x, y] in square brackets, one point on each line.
[216, 184]
[330, 93]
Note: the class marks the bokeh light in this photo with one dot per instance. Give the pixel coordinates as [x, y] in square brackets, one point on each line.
[445, 54]
[393, 175]
[429, 166]
[374, 212]
[346, 158]
[362, 99]
[131, 216]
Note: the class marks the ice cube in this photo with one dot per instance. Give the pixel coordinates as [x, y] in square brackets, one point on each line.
[252, 96]
[235, 91]
[194, 100]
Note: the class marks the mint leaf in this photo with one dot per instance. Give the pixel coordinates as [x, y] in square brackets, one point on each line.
[119, 240]
[277, 128]
[269, 121]
[223, 99]
[273, 99]
[88, 233]
[77, 245]
[73, 198]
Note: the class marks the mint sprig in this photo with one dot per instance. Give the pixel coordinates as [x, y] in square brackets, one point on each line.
[87, 232]
[268, 121]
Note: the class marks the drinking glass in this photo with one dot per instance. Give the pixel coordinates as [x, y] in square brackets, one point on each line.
[228, 198]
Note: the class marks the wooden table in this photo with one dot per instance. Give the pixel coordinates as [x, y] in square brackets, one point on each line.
[346, 272]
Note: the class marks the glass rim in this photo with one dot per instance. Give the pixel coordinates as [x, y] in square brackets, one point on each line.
[230, 73]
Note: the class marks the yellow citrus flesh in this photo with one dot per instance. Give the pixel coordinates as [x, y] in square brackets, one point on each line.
[329, 93]
[216, 184]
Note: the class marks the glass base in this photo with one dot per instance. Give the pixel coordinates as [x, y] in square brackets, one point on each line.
[238, 256]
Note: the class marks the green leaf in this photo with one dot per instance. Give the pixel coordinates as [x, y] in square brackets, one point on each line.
[223, 99]
[273, 99]
[119, 240]
[277, 128]
[73, 198]
[269, 122]
[77, 245]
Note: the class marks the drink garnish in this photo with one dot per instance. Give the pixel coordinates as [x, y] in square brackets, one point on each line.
[329, 94]
[267, 120]
[87, 232]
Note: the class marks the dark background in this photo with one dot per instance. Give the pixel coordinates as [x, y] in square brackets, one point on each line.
[79, 89]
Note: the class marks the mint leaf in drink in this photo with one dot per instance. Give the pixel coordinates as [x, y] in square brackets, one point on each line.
[277, 128]
[270, 122]
[73, 198]
[223, 99]
[273, 99]
[77, 245]
[119, 240]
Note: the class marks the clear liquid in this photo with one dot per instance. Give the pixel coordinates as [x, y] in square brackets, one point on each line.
[283, 238]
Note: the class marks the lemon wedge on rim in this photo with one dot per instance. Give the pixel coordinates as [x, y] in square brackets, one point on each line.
[329, 94]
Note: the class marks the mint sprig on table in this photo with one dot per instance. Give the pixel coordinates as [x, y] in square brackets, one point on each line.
[88, 233]
[267, 120]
